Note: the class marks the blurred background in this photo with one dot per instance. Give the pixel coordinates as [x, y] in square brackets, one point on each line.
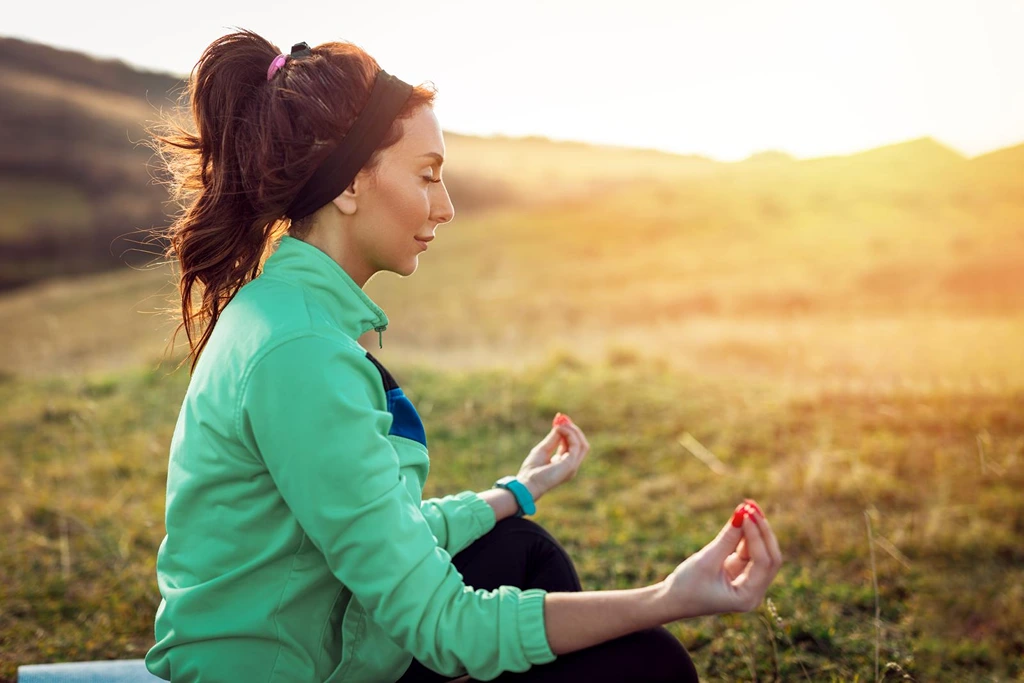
[767, 249]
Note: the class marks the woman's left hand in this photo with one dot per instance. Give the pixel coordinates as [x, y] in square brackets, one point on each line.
[544, 468]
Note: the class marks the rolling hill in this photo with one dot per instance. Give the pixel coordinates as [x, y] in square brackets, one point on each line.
[78, 188]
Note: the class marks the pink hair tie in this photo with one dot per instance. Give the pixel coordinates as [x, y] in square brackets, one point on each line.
[276, 64]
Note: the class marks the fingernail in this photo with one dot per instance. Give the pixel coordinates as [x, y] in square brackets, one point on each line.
[752, 512]
[753, 504]
[737, 516]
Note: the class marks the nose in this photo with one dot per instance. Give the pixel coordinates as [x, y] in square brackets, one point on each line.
[445, 211]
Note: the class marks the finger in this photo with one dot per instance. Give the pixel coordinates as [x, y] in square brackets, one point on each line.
[724, 544]
[584, 447]
[755, 543]
[575, 456]
[543, 451]
[572, 436]
[550, 441]
[772, 542]
[742, 551]
[582, 455]
[583, 437]
[562, 419]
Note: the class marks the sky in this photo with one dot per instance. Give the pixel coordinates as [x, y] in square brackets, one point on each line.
[719, 78]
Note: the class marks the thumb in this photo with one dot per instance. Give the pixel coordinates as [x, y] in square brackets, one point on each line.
[549, 442]
[725, 543]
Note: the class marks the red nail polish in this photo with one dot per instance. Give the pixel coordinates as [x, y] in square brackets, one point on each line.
[737, 517]
[561, 419]
[754, 505]
[752, 513]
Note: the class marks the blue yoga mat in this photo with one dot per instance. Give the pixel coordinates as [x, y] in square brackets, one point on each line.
[116, 671]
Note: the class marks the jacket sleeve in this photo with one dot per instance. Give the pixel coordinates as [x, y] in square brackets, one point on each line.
[458, 520]
[314, 411]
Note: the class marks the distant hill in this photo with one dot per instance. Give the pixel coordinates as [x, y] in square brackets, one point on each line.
[1010, 159]
[771, 156]
[77, 187]
[1003, 168]
[73, 179]
[911, 162]
[917, 152]
[108, 75]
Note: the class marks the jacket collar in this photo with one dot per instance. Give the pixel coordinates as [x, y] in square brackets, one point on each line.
[306, 266]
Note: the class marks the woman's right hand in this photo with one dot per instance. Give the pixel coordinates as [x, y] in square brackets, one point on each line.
[730, 574]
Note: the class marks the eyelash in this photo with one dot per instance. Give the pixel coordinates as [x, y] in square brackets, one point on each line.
[427, 178]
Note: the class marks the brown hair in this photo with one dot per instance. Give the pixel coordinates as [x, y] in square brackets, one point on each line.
[255, 144]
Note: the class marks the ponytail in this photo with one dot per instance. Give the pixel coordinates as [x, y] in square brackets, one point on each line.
[253, 144]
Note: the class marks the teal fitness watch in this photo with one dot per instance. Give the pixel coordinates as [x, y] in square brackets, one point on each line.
[522, 494]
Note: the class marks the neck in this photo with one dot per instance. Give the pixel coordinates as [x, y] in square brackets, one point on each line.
[331, 239]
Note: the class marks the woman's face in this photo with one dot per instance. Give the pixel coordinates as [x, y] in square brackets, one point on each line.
[406, 200]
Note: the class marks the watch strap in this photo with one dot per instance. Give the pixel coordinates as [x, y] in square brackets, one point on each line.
[523, 496]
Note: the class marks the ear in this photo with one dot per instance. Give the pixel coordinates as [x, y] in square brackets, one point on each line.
[347, 200]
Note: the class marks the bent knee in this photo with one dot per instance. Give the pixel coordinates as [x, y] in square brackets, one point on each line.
[522, 525]
[665, 656]
[519, 523]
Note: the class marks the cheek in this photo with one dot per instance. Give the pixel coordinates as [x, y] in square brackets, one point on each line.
[415, 211]
[408, 204]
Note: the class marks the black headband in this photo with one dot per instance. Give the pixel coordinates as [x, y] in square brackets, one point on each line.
[339, 169]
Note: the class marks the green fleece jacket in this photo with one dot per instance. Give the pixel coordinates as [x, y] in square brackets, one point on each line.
[298, 546]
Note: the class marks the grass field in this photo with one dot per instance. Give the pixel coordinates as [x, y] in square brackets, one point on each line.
[937, 474]
[852, 360]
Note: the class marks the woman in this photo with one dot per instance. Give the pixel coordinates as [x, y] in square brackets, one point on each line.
[298, 547]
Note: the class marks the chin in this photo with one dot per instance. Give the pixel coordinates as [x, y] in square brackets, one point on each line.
[409, 268]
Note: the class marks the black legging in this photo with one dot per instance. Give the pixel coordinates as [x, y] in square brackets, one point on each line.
[519, 552]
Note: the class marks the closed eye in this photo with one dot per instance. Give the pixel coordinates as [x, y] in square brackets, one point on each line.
[431, 180]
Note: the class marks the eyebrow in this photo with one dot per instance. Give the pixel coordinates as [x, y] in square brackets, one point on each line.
[435, 156]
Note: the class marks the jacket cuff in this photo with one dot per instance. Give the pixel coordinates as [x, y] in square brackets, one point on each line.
[483, 513]
[532, 632]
